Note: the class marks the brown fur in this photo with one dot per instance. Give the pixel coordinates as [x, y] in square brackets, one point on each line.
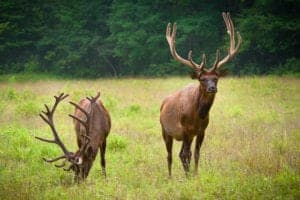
[100, 125]
[92, 126]
[184, 115]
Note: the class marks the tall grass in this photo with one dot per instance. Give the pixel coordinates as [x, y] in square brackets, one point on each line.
[251, 148]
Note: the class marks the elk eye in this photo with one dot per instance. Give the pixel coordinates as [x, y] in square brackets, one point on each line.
[202, 79]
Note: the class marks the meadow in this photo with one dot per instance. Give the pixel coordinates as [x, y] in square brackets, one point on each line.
[251, 148]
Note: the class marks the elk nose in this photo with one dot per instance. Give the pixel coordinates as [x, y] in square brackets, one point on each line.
[212, 89]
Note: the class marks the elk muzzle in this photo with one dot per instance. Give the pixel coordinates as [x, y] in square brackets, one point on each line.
[211, 87]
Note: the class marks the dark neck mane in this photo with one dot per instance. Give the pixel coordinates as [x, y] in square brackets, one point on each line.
[204, 102]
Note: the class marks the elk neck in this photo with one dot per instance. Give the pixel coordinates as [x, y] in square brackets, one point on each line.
[204, 102]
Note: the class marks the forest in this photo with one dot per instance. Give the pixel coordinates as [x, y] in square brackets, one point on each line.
[99, 38]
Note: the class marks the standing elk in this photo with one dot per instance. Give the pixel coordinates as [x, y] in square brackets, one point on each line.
[185, 113]
[92, 126]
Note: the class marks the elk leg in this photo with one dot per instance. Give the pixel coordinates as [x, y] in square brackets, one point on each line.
[185, 154]
[77, 173]
[87, 169]
[102, 153]
[198, 144]
[169, 143]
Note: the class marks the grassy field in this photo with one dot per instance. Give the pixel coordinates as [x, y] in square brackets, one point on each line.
[251, 149]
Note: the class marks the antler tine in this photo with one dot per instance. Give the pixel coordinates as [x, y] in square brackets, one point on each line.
[58, 99]
[78, 119]
[168, 30]
[54, 159]
[225, 18]
[45, 140]
[70, 167]
[191, 59]
[79, 108]
[84, 123]
[47, 109]
[202, 64]
[232, 33]
[232, 49]
[171, 39]
[62, 164]
[217, 60]
[93, 99]
[48, 118]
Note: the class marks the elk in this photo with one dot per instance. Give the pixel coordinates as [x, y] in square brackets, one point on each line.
[185, 113]
[92, 125]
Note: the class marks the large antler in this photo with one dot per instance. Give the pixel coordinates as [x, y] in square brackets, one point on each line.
[86, 122]
[171, 36]
[47, 116]
[232, 51]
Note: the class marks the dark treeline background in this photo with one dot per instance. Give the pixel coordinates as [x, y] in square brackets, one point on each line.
[121, 37]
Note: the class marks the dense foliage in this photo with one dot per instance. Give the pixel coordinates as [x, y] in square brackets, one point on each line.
[122, 37]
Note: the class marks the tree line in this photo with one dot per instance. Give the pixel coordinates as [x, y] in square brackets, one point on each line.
[127, 37]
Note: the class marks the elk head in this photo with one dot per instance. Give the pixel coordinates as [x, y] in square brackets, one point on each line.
[208, 77]
[76, 159]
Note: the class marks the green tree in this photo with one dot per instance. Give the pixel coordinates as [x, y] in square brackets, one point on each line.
[270, 32]
[74, 36]
[20, 29]
[106, 37]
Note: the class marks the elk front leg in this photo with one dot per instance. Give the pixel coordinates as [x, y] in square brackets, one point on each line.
[198, 144]
[76, 169]
[169, 143]
[102, 153]
[186, 154]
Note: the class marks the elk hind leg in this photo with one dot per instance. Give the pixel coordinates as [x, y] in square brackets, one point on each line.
[102, 154]
[186, 154]
[169, 143]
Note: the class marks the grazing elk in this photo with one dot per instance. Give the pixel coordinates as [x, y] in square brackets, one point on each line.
[92, 126]
[185, 114]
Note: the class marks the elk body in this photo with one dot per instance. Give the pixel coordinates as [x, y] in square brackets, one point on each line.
[185, 114]
[92, 125]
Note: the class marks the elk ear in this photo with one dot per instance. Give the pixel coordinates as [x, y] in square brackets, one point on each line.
[195, 75]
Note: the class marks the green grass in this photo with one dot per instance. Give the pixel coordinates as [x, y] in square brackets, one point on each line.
[251, 148]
